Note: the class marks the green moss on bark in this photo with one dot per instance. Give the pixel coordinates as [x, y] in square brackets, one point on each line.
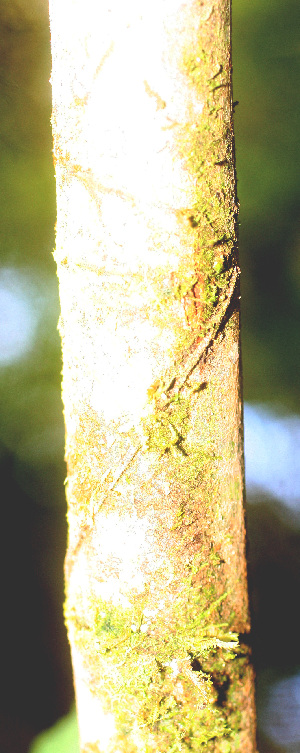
[206, 146]
[148, 665]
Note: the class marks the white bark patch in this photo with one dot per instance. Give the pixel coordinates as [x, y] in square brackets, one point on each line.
[95, 726]
[125, 555]
[118, 112]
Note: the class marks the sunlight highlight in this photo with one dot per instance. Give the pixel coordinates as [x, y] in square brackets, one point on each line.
[95, 726]
[124, 188]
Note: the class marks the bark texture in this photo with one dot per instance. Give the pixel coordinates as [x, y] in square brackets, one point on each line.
[146, 251]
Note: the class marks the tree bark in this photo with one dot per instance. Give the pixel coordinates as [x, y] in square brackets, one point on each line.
[146, 250]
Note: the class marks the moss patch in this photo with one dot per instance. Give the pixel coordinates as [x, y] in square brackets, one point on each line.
[206, 146]
[147, 663]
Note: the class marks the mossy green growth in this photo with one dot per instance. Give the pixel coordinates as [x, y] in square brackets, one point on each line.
[206, 146]
[63, 737]
[147, 660]
[165, 430]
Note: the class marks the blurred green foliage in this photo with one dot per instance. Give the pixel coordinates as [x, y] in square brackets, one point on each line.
[61, 738]
[31, 424]
[27, 207]
[36, 680]
[266, 74]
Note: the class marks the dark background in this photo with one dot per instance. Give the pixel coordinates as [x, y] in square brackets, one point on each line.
[35, 673]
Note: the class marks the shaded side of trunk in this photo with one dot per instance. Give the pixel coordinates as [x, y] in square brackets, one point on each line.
[146, 250]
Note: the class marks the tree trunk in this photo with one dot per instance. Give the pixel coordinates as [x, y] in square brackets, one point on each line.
[146, 251]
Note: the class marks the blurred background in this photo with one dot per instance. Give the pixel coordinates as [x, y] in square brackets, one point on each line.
[35, 673]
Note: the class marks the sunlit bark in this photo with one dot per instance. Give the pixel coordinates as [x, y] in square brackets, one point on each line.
[146, 252]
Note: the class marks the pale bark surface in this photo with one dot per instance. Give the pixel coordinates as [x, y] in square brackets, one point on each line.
[147, 261]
